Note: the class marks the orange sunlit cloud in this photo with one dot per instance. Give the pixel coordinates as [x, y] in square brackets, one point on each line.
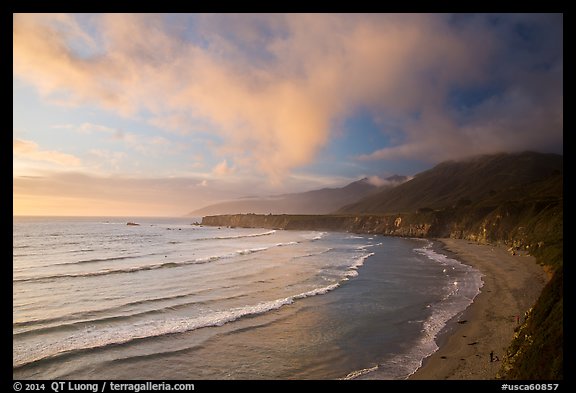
[261, 97]
[31, 150]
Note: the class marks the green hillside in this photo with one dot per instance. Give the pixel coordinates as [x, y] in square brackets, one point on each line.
[479, 180]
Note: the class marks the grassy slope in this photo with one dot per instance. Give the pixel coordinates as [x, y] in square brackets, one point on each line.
[483, 178]
[536, 351]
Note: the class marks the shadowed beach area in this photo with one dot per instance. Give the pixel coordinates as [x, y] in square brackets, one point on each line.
[512, 283]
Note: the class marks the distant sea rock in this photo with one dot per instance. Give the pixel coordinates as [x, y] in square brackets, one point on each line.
[132, 224]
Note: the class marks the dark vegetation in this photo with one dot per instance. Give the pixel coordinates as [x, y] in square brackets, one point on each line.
[481, 180]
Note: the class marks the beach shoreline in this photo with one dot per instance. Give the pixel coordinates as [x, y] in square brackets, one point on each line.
[512, 284]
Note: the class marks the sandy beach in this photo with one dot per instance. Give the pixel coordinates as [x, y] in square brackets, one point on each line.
[511, 286]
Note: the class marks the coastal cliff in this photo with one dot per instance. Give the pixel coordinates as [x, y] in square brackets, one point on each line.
[526, 227]
[385, 225]
[514, 200]
[531, 227]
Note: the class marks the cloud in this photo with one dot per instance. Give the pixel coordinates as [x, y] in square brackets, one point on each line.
[30, 150]
[62, 74]
[110, 159]
[73, 193]
[147, 145]
[80, 194]
[273, 86]
[222, 169]
[379, 182]
[90, 128]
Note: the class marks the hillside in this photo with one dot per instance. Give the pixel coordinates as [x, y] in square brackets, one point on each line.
[511, 199]
[320, 201]
[481, 180]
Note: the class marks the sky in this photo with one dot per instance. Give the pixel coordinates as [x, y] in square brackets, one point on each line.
[162, 114]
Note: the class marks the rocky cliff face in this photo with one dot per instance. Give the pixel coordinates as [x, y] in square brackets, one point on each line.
[391, 225]
[523, 226]
[527, 226]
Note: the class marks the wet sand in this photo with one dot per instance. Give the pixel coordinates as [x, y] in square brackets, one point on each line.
[511, 286]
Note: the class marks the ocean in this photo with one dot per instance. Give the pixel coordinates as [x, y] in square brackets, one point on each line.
[94, 298]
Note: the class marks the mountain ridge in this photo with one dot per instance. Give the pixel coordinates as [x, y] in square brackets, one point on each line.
[472, 180]
[319, 201]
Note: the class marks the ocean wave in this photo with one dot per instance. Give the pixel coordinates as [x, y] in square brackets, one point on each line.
[319, 236]
[62, 325]
[45, 248]
[134, 269]
[85, 315]
[94, 338]
[353, 269]
[95, 260]
[154, 355]
[286, 244]
[459, 295]
[359, 373]
[313, 254]
[108, 328]
[87, 261]
[365, 246]
[360, 261]
[237, 236]
[427, 251]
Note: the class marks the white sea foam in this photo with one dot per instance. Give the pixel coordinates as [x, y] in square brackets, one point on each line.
[101, 337]
[170, 264]
[360, 261]
[250, 235]
[251, 250]
[365, 246]
[98, 337]
[319, 236]
[458, 296]
[359, 373]
[236, 288]
[240, 236]
[352, 270]
[286, 244]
